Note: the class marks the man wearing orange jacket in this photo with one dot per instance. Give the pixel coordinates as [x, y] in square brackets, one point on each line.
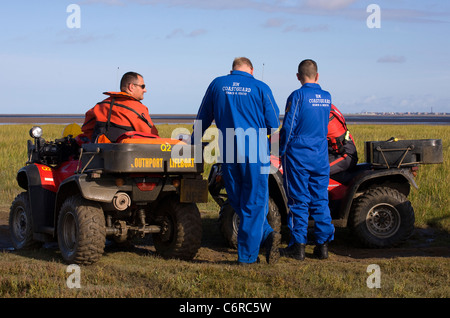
[120, 112]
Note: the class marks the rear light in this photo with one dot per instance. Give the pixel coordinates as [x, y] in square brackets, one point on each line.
[176, 183]
[414, 170]
[146, 186]
[120, 182]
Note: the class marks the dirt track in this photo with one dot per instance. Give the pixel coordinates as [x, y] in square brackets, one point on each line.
[422, 244]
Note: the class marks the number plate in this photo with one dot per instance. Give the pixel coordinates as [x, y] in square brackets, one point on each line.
[194, 190]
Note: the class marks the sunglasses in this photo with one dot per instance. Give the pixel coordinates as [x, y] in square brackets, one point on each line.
[141, 86]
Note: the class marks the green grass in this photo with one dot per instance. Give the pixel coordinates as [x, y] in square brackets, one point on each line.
[431, 201]
[138, 272]
[13, 155]
[130, 273]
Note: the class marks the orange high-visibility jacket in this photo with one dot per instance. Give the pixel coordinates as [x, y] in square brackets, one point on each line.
[337, 130]
[340, 141]
[117, 114]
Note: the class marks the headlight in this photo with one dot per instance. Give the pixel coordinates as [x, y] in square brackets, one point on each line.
[36, 132]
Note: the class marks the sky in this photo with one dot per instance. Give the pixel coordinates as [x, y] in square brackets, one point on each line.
[373, 56]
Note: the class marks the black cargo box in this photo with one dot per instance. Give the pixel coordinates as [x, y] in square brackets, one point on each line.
[139, 158]
[402, 153]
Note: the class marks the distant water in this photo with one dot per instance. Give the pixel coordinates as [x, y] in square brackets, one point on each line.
[398, 119]
[189, 118]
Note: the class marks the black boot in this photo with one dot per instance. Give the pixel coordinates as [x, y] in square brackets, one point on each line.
[271, 246]
[296, 251]
[321, 251]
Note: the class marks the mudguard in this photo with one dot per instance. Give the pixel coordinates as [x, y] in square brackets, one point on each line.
[100, 190]
[42, 197]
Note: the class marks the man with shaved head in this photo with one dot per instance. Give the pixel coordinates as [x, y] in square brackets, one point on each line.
[304, 153]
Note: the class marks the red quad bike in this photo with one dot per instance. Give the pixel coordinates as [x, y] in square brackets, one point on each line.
[371, 199]
[80, 194]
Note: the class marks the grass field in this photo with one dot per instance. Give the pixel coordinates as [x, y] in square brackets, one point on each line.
[431, 201]
[421, 268]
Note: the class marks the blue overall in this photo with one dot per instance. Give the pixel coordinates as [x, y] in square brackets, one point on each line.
[244, 111]
[304, 153]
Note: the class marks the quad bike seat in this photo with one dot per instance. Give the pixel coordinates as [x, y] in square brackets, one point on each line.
[135, 137]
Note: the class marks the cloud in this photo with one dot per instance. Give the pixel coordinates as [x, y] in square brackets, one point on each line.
[394, 103]
[329, 4]
[414, 16]
[106, 2]
[348, 9]
[69, 37]
[181, 33]
[392, 59]
[274, 23]
[310, 29]
[280, 22]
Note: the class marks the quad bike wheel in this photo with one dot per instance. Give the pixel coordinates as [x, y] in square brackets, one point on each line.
[229, 221]
[21, 223]
[81, 231]
[181, 225]
[382, 217]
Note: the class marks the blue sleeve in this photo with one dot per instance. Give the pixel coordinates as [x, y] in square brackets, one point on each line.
[288, 123]
[205, 115]
[272, 112]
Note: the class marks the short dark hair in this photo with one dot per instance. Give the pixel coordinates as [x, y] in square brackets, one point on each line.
[127, 78]
[242, 61]
[307, 68]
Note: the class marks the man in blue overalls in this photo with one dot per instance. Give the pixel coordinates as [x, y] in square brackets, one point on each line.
[304, 152]
[244, 111]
